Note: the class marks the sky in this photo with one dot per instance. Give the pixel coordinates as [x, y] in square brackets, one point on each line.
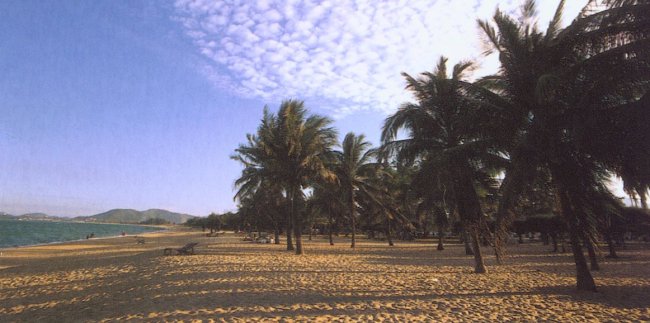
[139, 104]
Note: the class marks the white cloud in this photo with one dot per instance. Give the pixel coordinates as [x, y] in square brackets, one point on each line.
[346, 56]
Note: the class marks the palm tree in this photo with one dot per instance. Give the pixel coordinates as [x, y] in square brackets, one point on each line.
[432, 200]
[257, 175]
[578, 109]
[353, 163]
[267, 204]
[444, 135]
[397, 184]
[327, 200]
[289, 150]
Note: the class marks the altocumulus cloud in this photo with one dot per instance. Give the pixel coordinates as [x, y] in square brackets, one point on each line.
[343, 55]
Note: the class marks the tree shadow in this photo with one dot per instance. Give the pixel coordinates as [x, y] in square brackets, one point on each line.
[618, 296]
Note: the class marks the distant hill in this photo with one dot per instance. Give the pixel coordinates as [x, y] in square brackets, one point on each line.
[32, 216]
[134, 216]
[35, 216]
[6, 215]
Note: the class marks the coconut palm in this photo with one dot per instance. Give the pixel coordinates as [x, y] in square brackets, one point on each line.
[354, 162]
[327, 200]
[444, 134]
[257, 174]
[578, 108]
[383, 202]
[289, 150]
[432, 201]
[267, 205]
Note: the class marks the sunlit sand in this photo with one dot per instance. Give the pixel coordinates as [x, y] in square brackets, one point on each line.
[232, 280]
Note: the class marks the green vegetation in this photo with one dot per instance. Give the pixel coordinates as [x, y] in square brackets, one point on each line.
[133, 216]
[217, 222]
[289, 150]
[528, 149]
[155, 221]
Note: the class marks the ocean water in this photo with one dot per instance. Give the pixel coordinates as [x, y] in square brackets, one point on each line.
[15, 233]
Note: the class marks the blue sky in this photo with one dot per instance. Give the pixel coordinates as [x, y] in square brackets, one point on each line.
[138, 104]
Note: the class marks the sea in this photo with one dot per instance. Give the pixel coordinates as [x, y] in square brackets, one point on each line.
[16, 233]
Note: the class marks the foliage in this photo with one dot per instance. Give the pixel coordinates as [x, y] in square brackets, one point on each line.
[156, 221]
[289, 150]
[446, 139]
[577, 109]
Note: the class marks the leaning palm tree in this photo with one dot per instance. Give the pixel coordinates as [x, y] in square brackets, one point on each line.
[445, 137]
[288, 149]
[578, 109]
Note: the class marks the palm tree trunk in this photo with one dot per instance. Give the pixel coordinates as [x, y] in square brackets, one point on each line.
[297, 222]
[584, 280]
[593, 259]
[469, 209]
[289, 233]
[610, 245]
[479, 265]
[352, 219]
[297, 232]
[440, 219]
[468, 248]
[329, 222]
[504, 215]
[388, 230]
[276, 236]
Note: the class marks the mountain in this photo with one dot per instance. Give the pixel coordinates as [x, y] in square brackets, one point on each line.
[134, 216]
[35, 216]
[32, 217]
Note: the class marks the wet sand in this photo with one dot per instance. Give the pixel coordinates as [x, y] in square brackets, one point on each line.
[232, 280]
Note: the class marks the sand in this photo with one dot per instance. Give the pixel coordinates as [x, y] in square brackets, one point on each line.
[232, 280]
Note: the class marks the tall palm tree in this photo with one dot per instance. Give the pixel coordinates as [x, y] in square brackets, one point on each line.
[288, 149]
[444, 135]
[578, 108]
[353, 162]
[258, 174]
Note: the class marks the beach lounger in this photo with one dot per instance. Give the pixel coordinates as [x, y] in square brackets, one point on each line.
[188, 249]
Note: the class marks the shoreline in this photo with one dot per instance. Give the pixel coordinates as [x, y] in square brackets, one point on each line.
[8, 248]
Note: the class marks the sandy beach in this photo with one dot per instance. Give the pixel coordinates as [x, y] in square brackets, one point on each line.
[232, 280]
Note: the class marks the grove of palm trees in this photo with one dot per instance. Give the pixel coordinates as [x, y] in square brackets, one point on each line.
[567, 110]
[325, 161]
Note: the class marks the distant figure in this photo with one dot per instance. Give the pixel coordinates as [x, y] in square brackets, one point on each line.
[92, 235]
[123, 233]
[87, 236]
